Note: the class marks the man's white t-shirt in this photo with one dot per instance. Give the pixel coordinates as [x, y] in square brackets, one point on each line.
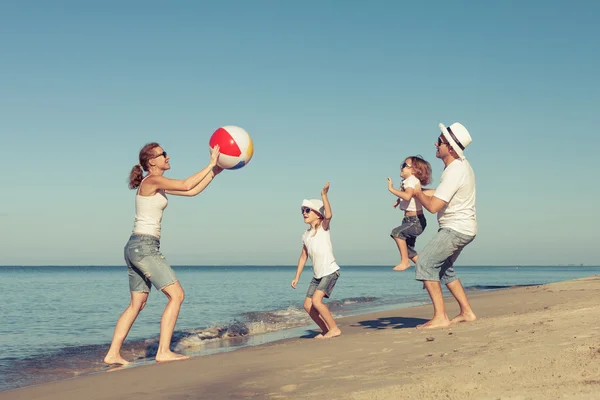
[413, 204]
[457, 189]
[320, 252]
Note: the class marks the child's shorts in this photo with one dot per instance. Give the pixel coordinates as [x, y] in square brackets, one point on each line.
[324, 284]
[412, 226]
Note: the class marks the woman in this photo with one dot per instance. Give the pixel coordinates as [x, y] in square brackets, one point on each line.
[146, 265]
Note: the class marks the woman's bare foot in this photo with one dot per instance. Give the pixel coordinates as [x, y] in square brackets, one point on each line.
[111, 360]
[464, 317]
[170, 356]
[436, 322]
[332, 333]
[402, 266]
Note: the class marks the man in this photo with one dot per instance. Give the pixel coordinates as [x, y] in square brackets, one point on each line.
[454, 203]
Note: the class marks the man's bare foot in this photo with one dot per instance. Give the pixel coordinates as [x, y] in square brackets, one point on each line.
[402, 267]
[319, 336]
[464, 317]
[332, 333]
[111, 360]
[435, 323]
[170, 356]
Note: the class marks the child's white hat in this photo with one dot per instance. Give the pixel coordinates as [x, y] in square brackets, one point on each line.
[314, 204]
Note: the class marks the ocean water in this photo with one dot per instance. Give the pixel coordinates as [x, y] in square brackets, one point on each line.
[57, 322]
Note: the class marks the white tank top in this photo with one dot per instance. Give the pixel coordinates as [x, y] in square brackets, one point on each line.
[320, 252]
[149, 212]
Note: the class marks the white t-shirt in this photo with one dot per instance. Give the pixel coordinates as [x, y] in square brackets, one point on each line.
[457, 188]
[413, 204]
[320, 252]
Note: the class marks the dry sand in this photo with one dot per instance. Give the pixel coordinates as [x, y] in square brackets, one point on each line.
[539, 342]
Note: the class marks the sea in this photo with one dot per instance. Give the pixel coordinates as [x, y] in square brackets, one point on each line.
[57, 321]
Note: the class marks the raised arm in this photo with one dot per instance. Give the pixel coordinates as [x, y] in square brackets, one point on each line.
[405, 194]
[301, 263]
[327, 206]
[216, 170]
[157, 182]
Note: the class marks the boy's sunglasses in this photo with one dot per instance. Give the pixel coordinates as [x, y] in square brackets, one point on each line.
[404, 165]
[306, 210]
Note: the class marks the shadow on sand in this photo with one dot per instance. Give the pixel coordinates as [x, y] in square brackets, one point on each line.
[379, 323]
[391, 323]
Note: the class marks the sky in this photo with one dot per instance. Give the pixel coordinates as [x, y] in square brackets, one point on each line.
[338, 91]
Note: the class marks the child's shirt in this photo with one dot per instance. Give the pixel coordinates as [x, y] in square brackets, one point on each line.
[413, 204]
[320, 252]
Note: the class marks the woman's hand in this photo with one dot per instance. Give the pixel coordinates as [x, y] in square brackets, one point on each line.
[214, 155]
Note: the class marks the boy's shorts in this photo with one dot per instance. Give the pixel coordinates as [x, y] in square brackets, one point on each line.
[412, 226]
[436, 261]
[324, 284]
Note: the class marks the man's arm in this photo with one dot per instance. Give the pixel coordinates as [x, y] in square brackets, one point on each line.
[428, 200]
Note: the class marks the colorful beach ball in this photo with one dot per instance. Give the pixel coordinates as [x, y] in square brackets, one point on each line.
[235, 145]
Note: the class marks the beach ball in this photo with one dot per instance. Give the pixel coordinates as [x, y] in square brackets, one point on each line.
[235, 145]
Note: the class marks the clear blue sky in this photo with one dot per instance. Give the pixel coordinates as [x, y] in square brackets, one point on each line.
[329, 90]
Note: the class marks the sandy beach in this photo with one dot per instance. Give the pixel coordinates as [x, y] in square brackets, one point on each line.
[537, 342]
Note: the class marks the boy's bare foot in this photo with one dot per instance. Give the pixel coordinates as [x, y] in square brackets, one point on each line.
[332, 333]
[402, 267]
[111, 360]
[438, 322]
[464, 317]
[170, 356]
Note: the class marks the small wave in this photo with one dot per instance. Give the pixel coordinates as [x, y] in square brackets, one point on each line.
[258, 322]
[338, 305]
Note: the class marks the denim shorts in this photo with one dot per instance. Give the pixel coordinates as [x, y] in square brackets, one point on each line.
[412, 226]
[436, 261]
[324, 284]
[146, 265]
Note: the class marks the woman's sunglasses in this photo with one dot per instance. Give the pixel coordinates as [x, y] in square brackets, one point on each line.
[404, 165]
[306, 210]
[164, 154]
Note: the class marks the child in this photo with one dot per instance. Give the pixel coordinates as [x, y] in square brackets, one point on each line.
[415, 170]
[317, 244]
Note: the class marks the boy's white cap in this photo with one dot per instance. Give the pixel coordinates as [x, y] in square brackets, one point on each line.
[314, 204]
[458, 136]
